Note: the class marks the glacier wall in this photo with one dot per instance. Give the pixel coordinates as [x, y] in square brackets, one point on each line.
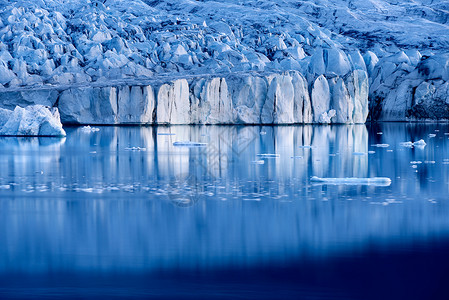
[407, 86]
[285, 98]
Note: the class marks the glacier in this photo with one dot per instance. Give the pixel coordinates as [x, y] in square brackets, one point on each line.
[226, 62]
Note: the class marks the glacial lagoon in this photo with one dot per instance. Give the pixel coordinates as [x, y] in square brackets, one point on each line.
[230, 214]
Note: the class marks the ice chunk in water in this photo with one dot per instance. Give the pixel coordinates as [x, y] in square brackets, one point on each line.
[419, 143]
[189, 144]
[379, 181]
[88, 129]
[268, 155]
[136, 149]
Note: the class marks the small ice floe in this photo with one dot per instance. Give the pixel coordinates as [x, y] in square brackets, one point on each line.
[268, 155]
[431, 162]
[406, 144]
[359, 153]
[189, 144]
[381, 145]
[296, 157]
[419, 144]
[446, 133]
[263, 133]
[380, 133]
[5, 187]
[416, 162]
[258, 162]
[166, 133]
[371, 152]
[378, 181]
[389, 150]
[88, 129]
[135, 149]
[305, 147]
[432, 135]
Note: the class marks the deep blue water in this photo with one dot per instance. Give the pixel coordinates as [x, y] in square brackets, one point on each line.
[122, 213]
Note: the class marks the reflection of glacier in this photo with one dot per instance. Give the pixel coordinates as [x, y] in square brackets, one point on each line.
[98, 206]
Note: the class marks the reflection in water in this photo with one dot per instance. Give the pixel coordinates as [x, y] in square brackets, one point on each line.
[127, 199]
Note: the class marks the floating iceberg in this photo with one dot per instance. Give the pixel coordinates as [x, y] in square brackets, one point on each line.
[420, 144]
[33, 120]
[268, 155]
[189, 144]
[136, 149]
[378, 181]
[88, 129]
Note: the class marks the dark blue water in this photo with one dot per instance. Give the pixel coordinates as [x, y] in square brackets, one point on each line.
[122, 213]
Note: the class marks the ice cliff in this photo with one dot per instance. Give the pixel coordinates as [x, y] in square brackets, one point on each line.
[214, 62]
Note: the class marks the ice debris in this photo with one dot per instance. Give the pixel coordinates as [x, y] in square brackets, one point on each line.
[136, 149]
[89, 129]
[420, 144]
[269, 155]
[189, 144]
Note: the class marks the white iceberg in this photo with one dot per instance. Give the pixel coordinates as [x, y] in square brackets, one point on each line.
[33, 120]
[378, 181]
[419, 144]
[88, 129]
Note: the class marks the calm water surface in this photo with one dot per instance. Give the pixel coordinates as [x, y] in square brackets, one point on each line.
[122, 212]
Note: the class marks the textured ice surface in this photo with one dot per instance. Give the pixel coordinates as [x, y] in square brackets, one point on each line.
[34, 120]
[395, 52]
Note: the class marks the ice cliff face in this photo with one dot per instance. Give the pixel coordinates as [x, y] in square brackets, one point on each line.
[232, 99]
[223, 61]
